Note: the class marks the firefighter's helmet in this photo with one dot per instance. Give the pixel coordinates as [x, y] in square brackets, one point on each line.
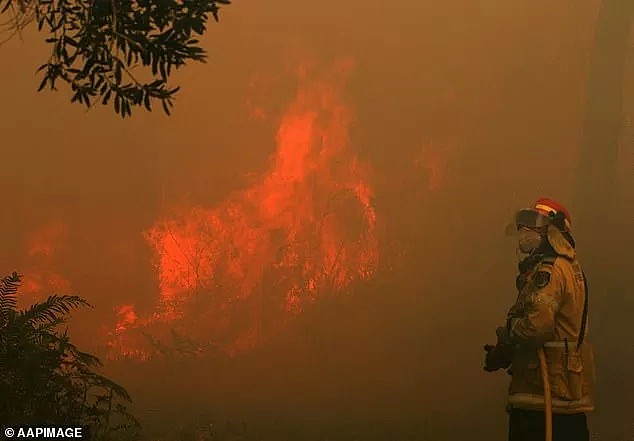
[540, 215]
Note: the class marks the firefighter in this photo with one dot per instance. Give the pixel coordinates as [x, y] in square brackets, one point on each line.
[549, 316]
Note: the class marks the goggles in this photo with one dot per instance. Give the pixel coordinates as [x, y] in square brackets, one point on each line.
[528, 218]
[531, 218]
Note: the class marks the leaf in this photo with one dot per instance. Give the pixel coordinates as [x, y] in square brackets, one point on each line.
[86, 99]
[126, 108]
[146, 102]
[71, 42]
[165, 108]
[198, 27]
[106, 97]
[117, 73]
[42, 84]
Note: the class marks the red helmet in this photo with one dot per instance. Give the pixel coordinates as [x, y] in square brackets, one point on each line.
[544, 212]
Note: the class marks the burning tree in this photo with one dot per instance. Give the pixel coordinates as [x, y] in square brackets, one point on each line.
[96, 45]
[234, 274]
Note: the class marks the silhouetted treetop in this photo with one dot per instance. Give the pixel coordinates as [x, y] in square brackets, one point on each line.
[119, 51]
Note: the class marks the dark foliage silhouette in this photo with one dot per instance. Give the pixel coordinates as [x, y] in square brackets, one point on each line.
[114, 50]
[45, 379]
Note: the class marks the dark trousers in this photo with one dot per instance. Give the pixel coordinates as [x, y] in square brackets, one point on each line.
[528, 425]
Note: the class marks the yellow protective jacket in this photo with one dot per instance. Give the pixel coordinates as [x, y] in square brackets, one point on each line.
[548, 313]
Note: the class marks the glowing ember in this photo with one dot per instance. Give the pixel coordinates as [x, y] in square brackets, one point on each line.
[233, 273]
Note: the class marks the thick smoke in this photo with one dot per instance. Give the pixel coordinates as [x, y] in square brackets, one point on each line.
[457, 113]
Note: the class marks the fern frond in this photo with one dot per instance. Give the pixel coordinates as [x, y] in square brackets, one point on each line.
[50, 325]
[87, 359]
[43, 338]
[51, 310]
[111, 386]
[44, 376]
[82, 361]
[8, 295]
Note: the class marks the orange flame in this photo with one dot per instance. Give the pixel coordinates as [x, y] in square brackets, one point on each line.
[45, 241]
[41, 278]
[305, 229]
[127, 317]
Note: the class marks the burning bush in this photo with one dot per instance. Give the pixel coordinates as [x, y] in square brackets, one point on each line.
[232, 275]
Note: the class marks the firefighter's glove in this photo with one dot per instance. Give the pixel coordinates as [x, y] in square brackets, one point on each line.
[497, 357]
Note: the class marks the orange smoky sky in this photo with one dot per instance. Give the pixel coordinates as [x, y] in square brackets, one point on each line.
[319, 227]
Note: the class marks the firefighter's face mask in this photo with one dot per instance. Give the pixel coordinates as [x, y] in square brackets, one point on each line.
[529, 227]
[528, 240]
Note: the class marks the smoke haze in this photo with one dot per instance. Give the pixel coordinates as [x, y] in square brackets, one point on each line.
[448, 115]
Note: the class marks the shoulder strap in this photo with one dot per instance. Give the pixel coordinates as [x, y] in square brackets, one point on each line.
[584, 316]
